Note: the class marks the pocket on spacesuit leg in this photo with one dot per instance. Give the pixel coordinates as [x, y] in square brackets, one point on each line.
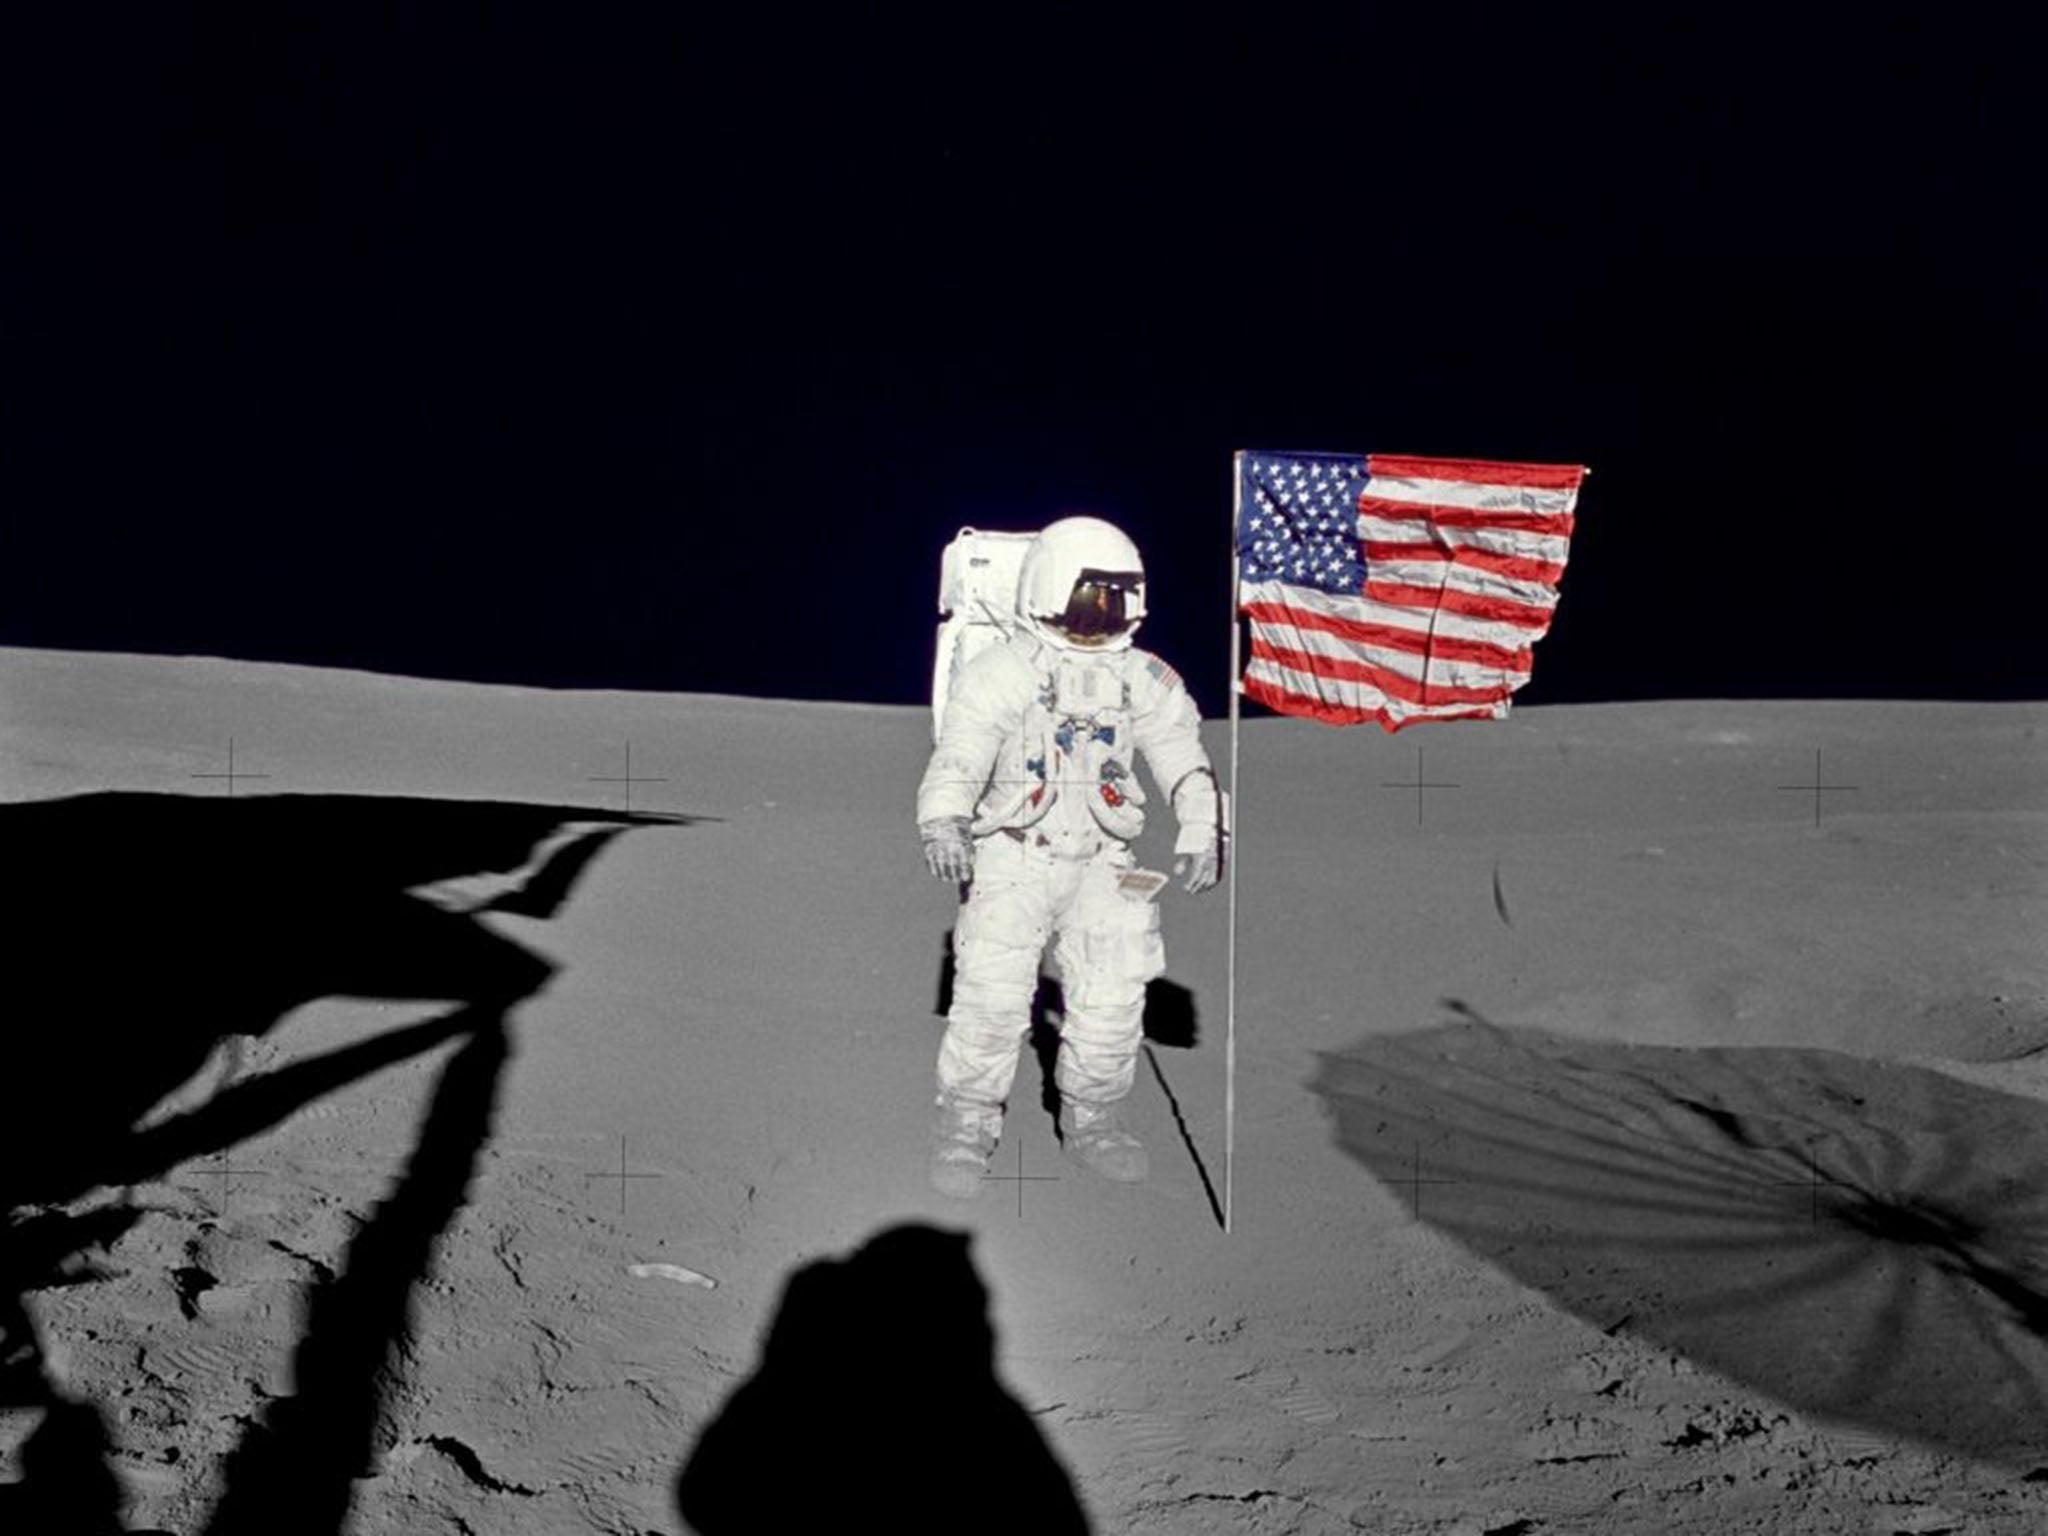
[1107, 962]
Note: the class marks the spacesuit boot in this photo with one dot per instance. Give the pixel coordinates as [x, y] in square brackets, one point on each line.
[1094, 1136]
[963, 1138]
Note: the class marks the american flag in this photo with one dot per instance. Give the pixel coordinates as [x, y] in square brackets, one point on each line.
[1397, 589]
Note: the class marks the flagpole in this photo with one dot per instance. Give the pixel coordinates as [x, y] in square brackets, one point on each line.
[1227, 818]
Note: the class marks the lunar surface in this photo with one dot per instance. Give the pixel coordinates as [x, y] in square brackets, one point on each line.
[504, 1111]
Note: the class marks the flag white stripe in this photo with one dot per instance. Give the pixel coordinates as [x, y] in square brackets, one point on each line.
[1346, 694]
[1464, 578]
[1328, 690]
[1431, 576]
[1442, 669]
[1368, 610]
[1540, 500]
[1495, 541]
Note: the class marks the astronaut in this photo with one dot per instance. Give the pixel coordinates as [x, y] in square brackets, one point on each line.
[1030, 804]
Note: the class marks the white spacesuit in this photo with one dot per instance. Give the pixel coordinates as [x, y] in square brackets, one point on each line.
[1030, 802]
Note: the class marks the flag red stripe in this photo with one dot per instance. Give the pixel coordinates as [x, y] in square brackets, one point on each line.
[1520, 567]
[1548, 477]
[1287, 702]
[1396, 722]
[1393, 684]
[1392, 637]
[1273, 696]
[1529, 615]
[1462, 517]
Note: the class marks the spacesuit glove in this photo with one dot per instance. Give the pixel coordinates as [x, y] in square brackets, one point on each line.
[948, 849]
[1198, 857]
[1201, 870]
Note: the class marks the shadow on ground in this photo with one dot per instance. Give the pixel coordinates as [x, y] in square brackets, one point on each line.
[876, 1406]
[155, 929]
[1864, 1241]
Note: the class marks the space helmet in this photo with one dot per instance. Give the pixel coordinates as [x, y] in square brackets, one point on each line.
[1082, 586]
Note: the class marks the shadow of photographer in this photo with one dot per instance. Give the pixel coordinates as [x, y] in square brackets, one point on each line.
[876, 1405]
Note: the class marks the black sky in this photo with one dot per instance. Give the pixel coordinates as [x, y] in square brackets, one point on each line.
[587, 345]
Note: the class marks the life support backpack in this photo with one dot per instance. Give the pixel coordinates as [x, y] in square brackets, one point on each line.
[978, 601]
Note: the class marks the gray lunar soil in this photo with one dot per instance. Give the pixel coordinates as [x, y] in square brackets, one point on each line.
[1618, 1148]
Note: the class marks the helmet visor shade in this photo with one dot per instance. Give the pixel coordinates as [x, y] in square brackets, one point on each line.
[1101, 606]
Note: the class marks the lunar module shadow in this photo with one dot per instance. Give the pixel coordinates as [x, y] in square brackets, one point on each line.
[876, 1405]
[158, 927]
[1864, 1241]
